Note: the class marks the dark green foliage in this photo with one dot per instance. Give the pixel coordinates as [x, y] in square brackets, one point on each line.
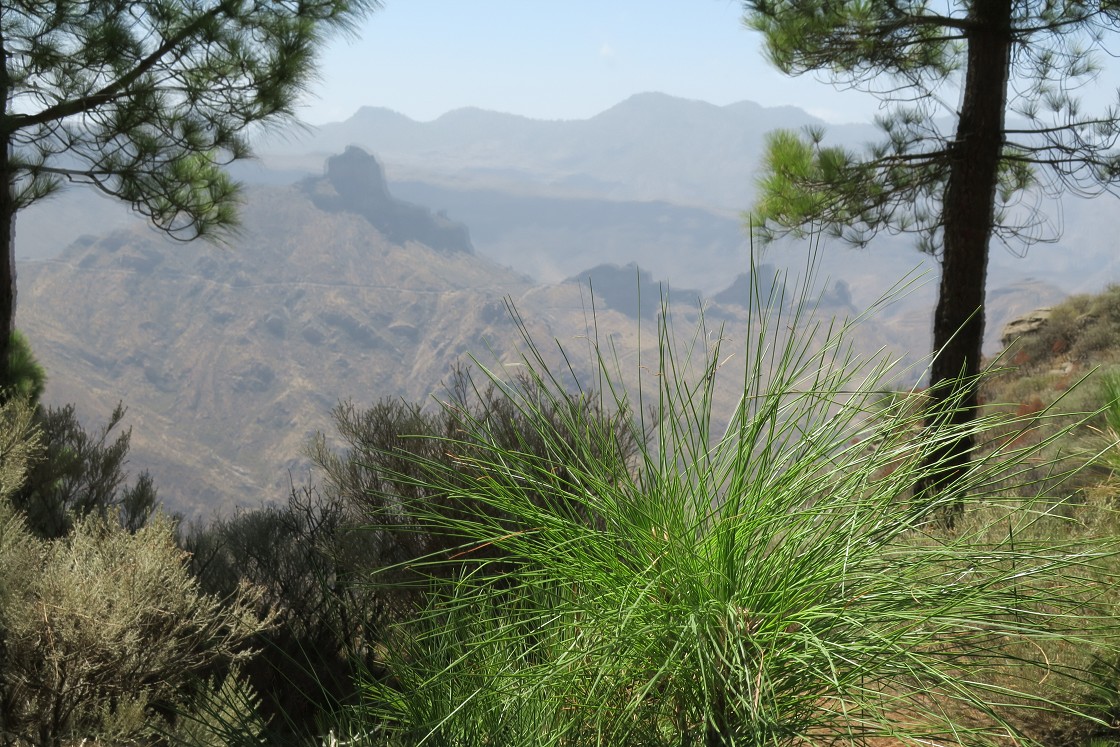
[148, 101]
[310, 559]
[314, 558]
[81, 473]
[391, 447]
[26, 376]
[909, 54]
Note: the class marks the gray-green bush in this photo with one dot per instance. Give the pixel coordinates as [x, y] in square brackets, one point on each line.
[103, 633]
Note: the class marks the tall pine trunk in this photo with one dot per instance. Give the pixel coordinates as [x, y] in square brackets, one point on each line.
[7, 223]
[7, 265]
[968, 211]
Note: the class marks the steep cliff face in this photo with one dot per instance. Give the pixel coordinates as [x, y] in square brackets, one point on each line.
[355, 183]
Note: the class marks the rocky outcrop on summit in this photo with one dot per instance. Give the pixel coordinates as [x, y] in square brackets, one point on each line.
[748, 286]
[632, 290]
[355, 183]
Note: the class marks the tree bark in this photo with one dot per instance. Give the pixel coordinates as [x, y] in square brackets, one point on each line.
[967, 213]
[7, 265]
[7, 224]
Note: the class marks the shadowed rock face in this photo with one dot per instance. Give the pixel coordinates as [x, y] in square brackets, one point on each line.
[355, 183]
[623, 288]
[748, 286]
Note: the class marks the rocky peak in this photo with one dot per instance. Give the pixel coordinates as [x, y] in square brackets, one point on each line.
[359, 181]
[355, 183]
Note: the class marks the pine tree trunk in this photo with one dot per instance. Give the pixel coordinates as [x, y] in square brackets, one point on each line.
[968, 212]
[7, 264]
[7, 224]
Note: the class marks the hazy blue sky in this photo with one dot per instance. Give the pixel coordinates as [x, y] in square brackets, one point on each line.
[557, 60]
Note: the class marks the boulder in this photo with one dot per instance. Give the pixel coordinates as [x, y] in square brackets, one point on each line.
[1027, 324]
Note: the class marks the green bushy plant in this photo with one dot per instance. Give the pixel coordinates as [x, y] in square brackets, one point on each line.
[312, 557]
[26, 376]
[765, 582]
[377, 472]
[76, 473]
[103, 633]
[81, 473]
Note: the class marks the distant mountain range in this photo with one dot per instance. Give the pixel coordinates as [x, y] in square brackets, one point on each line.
[349, 280]
[657, 180]
[231, 359]
[649, 147]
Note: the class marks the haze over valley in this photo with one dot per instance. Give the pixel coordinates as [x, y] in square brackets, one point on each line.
[378, 252]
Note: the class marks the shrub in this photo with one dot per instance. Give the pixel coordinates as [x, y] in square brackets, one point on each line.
[312, 558]
[103, 632]
[1081, 328]
[77, 473]
[380, 472]
[1092, 341]
[81, 474]
[309, 560]
[27, 377]
[767, 584]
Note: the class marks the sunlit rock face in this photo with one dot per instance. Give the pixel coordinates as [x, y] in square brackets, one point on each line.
[1027, 324]
[355, 183]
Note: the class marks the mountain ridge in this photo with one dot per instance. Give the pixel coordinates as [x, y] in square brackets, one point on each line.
[230, 360]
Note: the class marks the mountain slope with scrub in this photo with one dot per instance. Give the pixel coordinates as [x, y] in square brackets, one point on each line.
[230, 358]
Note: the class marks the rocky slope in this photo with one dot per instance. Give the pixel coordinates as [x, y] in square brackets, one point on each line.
[230, 357]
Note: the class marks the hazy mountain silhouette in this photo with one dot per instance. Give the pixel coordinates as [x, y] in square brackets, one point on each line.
[229, 357]
[633, 291]
[355, 183]
[649, 147]
[655, 179]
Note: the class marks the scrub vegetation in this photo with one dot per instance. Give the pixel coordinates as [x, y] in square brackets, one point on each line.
[546, 561]
[539, 559]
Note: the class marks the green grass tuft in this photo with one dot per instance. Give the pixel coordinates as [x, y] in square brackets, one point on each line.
[755, 577]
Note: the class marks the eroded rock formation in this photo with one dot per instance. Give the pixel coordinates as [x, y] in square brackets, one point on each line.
[355, 183]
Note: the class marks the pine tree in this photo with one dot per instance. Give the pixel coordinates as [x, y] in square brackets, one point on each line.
[146, 100]
[957, 185]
